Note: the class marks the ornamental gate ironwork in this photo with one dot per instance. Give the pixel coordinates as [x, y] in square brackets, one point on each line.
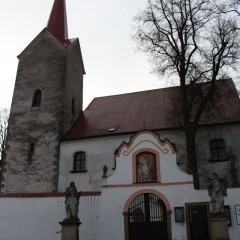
[147, 218]
[198, 222]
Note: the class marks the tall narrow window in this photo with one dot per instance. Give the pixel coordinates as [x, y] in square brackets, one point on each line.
[36, 101]
[31, 148]
[73, 106]
[217, 150]
[146, 167]
[79, 164]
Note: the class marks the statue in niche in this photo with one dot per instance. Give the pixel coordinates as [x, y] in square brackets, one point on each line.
[217, 190]
[146, 167]
[71, 203]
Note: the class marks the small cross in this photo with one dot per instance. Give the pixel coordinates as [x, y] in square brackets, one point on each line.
[144, 125]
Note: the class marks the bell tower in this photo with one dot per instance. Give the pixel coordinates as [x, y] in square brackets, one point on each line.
[47, 99]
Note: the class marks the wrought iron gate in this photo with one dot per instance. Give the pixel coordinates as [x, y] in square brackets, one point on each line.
[147, 218]
[198, 222]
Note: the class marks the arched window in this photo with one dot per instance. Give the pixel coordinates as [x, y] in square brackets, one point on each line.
[217, 150]
[79, 162]
[73, 106]
[146, 167]
[36, 101]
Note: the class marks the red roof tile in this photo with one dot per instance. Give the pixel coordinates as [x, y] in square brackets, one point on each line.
[152, 110]
[45, 194]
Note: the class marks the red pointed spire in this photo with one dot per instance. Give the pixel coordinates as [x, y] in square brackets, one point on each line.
[57, 24]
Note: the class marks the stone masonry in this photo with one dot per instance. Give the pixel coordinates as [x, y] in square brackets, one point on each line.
[32, 151]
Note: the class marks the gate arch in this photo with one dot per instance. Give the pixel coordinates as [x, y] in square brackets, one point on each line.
[147, 216]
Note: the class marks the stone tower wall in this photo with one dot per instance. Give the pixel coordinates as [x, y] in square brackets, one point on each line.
[42, 65]
[73, 85]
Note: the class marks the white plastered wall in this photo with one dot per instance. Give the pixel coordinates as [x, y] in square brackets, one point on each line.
[38, 218]
[175, 185]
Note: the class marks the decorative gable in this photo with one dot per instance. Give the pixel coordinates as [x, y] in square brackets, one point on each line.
[146, 159]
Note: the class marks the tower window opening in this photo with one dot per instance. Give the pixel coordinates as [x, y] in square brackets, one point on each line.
[31, 148]
[37, 96]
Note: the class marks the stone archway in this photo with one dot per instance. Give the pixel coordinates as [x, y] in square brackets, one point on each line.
[147, 216]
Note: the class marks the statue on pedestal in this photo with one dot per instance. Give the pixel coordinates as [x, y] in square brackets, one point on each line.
[71, 203]
[217, 190]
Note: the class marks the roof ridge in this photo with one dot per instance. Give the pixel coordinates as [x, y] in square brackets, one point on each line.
[155, 89]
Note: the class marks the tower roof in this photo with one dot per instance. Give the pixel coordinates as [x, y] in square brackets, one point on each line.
[57, 24]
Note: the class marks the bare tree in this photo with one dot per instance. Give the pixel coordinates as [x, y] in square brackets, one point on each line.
[4, 115]
[231, 7]
[192, 41]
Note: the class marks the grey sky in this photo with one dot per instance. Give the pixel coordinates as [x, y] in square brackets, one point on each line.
[104, 28]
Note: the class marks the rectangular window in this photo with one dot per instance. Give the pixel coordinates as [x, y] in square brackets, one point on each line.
[79, 162]
[217, 150]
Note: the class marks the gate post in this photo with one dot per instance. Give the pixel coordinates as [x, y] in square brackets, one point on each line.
[126, 225]
[169, 224]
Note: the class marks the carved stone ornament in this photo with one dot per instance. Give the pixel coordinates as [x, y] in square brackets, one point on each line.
[71, 203]
[105, 169]
[217, 190]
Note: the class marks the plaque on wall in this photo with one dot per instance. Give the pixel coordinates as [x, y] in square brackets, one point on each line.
[179, 214]
[237, 210]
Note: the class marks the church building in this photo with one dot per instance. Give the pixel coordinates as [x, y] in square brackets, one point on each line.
[125, 153]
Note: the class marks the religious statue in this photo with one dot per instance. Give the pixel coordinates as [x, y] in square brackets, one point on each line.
[217, 189]
[146, 168]
[71, 203]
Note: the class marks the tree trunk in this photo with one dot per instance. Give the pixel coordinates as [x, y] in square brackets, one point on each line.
[190, 134]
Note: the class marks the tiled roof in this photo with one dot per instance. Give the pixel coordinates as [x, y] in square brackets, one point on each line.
[151, 110]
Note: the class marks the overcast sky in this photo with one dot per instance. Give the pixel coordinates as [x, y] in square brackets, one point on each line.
[112, 64]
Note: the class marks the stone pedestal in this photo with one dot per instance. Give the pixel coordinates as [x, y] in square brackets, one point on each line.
[219, 228]
[70, 230]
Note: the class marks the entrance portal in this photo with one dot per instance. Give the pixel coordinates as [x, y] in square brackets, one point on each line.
[197, 221]
[147, 218]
